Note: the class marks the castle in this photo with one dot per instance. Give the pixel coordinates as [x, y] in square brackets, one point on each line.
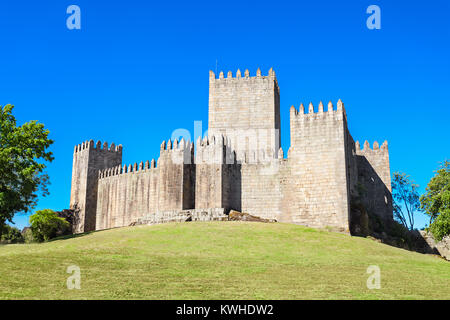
[239, 165]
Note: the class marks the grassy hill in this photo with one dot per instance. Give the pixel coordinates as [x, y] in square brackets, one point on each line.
[219, 260]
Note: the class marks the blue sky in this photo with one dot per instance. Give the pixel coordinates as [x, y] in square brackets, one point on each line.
[137, 70]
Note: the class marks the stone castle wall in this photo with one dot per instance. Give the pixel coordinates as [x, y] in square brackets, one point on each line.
[324, 172]
[124, 193]
[127, 193]
[262, 188]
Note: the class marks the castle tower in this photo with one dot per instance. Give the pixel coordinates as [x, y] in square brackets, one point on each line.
[88, 160]
[318, 188]
[246, 110]
[375, 177]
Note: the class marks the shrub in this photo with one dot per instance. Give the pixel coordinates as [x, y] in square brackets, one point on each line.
[28, 236]
[45, 225]
[441, 225]
[70, 215]
[11, 235]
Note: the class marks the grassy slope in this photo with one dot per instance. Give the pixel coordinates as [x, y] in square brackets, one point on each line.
[219, 260]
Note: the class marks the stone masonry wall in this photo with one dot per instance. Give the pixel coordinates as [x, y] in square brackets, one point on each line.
[127, 193]
[262, 189]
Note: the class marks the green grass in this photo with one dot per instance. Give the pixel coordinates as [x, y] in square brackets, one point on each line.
[219, 260]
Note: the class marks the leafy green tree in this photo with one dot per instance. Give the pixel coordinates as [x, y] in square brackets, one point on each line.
[45, 225]
[436, 201]
[406, 199]
[441, 225]
[23, 153]
[11, 235]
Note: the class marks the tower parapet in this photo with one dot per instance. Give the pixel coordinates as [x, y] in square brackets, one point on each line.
[300, 114]
[367, 150]
[97, 147]
[221, 79]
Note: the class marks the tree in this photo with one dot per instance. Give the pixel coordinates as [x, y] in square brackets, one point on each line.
[11, 235]
[23, 153]
[436, 201]
[45, 225]
[406, 199]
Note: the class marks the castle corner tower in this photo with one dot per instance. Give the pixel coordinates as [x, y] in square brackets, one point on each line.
[88, 160]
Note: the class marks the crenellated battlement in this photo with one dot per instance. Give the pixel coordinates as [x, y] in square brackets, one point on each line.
[366, 147]
[179, 152]
[214, 140]
[270, 75]
[245, 78]
[98, 146]
[214, 149]
[301, 113]
[125, 169]
[176, 146]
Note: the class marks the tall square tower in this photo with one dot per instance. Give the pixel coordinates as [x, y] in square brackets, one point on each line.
[247, 110]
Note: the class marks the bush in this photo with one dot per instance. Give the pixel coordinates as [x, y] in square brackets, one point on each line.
[11, 235]
[441, 225]
[70, 215]
[45, 225]
[28, 236]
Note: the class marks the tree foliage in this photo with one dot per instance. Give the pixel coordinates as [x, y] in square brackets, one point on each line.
[11, 235]
[406, 199]
[23, 153]
[436, 201]
[441, 225]
[45, 225]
